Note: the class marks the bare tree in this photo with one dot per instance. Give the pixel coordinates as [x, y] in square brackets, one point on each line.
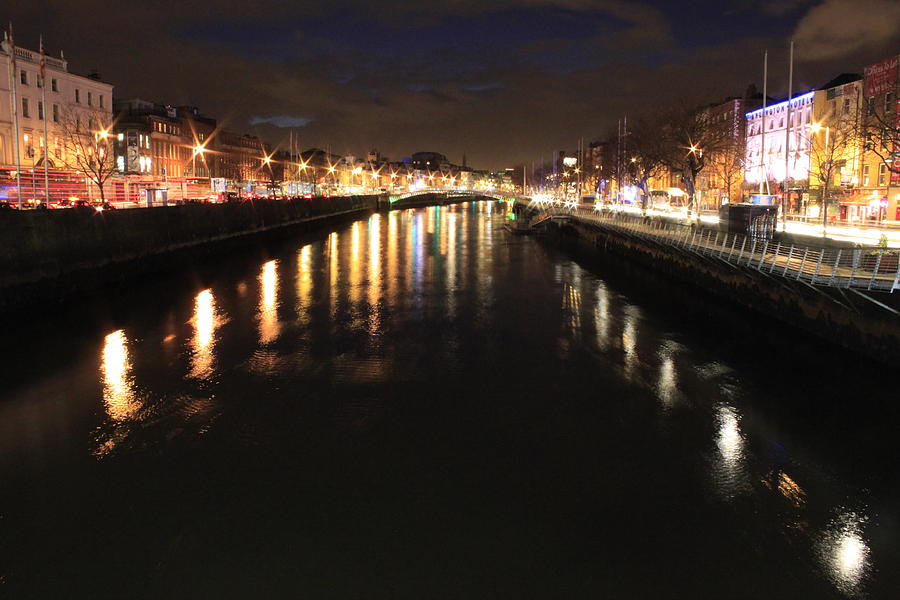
[727, 164]
[87, 146]
[880, 133]
[690, 137]
[646, 154]
[831, 148]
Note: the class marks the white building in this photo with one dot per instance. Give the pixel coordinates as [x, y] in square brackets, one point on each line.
[765, 154]
[68, 96]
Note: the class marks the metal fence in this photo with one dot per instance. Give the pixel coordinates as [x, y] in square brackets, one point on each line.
[854, 268]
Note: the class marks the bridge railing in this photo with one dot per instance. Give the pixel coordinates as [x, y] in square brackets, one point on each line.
[453, 193]
[850, 268]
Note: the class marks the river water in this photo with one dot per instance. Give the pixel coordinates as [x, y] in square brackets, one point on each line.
[420, 405]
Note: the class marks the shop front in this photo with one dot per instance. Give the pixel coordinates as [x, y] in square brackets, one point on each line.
[864, 206]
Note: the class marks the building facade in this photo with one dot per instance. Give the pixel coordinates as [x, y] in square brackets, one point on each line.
[69, 97]
[776, 147]
[879, 185]
[836, 151]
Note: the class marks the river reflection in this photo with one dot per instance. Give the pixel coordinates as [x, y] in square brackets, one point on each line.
[119, 393]
[268, 303]
[730, 469]
[397, 391]
[374, 283]
[205, 322]
[118, 383]
[845, 553]
[304, 284]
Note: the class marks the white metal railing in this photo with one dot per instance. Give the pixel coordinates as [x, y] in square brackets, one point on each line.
[856, 268]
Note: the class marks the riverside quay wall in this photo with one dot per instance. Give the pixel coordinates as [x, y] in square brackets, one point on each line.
[52, 255]
[867, 324]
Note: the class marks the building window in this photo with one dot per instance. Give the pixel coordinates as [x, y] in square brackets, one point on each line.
[77, 96]
[40, 110]
[23, 77]
[25, 112]
[101, 100]
[38, 81]
[870, 106]
[90, 99]
[865, 175]
[887, 102]
[53, 86]
[846, 106]
[56, 113]
[882, 171]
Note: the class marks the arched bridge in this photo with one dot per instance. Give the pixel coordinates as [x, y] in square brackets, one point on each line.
[440, 196]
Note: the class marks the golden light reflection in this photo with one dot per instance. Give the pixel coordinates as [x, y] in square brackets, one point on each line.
[442, 243]
[601, 317]
[845, 553]
[452, 253]
[572, 309]
[419, 250]
[205, 322]
[374, 275]
[629, 339]
[355, 267]
[790, 490]
[409, 252]
[268, 303]
[304, 284]
[333, 273]
[118, 384]
[392, 243]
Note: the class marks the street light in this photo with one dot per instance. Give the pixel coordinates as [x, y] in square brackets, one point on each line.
[198, 149]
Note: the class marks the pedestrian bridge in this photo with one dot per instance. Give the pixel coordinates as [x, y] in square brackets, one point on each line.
[450, 193]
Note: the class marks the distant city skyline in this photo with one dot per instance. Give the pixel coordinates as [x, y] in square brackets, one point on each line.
[501, 82]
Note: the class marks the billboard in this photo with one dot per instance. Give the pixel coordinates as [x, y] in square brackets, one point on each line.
[881, 77]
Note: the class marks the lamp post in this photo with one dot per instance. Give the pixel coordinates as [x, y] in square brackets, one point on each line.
[695, 159]
[815, 128]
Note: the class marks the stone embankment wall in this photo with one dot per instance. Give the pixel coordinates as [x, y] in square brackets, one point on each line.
[50, 255]
[841, 317]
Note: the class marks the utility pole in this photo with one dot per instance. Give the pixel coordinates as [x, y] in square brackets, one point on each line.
[43, 69]
[762, 153]
[9, 46]
[787, 142]
[619, 162]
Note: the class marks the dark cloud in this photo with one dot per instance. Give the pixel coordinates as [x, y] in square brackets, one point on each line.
[283, 121]
[837, 28]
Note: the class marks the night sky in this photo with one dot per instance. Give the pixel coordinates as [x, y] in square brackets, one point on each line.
[501, 81]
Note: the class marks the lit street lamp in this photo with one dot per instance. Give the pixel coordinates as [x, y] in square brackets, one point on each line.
[198, 149]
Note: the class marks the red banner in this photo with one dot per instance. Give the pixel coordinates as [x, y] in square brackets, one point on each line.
[881, 77]
[895, 166]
